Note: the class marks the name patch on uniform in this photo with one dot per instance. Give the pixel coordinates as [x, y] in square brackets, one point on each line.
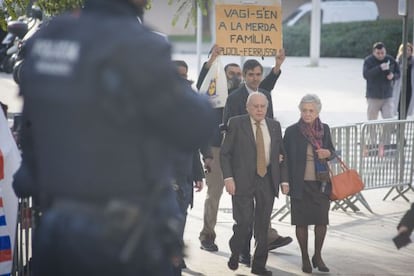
[55, 57]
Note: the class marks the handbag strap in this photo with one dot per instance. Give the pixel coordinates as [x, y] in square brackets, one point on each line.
[344, 167]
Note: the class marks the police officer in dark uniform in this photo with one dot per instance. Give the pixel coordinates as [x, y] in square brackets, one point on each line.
[104, 110]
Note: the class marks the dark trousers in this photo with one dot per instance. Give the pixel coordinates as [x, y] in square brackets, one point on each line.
[253, 210]
[184, 193]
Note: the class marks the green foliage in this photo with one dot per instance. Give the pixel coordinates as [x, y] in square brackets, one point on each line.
[346, 39]
[16, 8]
[190, 8]
[53, 7]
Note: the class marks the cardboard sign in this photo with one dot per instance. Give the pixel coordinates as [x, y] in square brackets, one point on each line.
[249, 30]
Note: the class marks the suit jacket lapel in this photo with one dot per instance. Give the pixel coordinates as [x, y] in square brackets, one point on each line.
[247, 127]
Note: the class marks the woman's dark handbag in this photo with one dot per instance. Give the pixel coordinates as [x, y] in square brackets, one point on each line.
[346, 183]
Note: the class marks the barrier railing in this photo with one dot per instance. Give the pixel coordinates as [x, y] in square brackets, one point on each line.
[23, 242]
[388, 151]
[381, 151]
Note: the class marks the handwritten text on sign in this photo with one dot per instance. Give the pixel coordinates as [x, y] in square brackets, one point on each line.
[248, 30]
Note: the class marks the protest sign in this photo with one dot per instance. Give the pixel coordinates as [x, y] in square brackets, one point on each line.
[249, 29]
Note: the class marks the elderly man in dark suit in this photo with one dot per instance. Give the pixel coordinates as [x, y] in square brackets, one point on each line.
[253, 168]
[236, 105]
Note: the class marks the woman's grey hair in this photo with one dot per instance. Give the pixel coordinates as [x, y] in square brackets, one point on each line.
[311, 98]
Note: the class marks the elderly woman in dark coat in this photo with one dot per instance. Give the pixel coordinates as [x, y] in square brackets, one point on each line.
[308, 146]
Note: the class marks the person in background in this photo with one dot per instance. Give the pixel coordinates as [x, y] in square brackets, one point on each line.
[99, 130]
[308, 146]
[252, 160]
[188, 173]
[396, 94]
[380, 70]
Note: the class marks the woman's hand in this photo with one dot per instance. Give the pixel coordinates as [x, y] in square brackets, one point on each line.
[323, 153]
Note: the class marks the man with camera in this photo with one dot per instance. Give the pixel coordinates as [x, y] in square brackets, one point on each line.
[380, 70]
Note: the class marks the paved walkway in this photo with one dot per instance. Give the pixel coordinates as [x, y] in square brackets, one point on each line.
[357, 243]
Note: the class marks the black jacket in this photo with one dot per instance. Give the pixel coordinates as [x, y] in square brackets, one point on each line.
[378, 86]
[296, 146]
[97, 121]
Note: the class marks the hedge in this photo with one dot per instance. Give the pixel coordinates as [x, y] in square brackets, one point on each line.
[352, 40]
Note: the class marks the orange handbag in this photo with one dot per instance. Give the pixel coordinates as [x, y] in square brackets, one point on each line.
[346, 183]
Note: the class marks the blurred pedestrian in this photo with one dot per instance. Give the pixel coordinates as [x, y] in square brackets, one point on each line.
[98, 132]
[405, 228]
[308, 146]
[396, 94]
[188, 174]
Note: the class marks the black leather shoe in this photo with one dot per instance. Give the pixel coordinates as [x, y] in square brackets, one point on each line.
[209, 246]
[261, 271]
[321, 265]
[245, 259]
[233, 262]
[279, 242]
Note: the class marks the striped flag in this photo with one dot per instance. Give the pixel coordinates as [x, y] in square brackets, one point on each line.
[9, 163]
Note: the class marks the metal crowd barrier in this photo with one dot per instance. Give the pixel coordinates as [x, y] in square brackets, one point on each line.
[381, 151]
[387, 156]
[22, 264]
[346, 142]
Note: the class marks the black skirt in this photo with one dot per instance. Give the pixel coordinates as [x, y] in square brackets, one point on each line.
[312, 208]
